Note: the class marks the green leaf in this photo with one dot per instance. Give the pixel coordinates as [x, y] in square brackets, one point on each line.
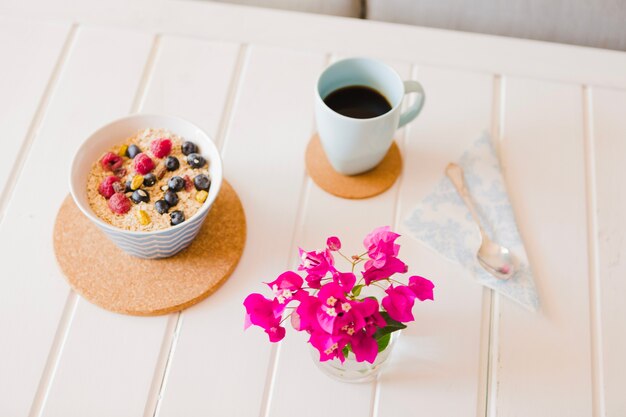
[346, 350]
[386, 330]
[396, 325]
[392, 326]
[356, 291]
[383, 341]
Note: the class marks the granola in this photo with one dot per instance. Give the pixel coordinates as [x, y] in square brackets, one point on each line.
[152, 181]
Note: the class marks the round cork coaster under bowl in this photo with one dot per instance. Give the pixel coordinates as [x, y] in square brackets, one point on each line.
[110, 278]
[368, 184]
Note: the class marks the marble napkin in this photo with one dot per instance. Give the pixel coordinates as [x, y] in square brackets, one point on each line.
[443, 223]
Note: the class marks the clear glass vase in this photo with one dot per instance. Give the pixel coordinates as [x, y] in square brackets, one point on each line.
[351, 370]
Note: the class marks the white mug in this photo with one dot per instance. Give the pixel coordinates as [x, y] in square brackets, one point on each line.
[354, 146]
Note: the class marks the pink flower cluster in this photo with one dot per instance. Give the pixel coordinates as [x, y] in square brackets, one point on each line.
[327, 303]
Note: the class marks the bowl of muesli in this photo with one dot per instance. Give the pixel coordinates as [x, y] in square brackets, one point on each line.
[148, 182]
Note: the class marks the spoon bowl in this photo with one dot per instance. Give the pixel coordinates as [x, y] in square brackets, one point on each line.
[494, 258]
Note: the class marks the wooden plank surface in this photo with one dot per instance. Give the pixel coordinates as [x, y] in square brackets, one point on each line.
[216, 368]
[128, 348]
[34, 50]
[92, 90]
[324, 215]
[324, 34]
[439, 357]
[192, 78]
[609, 144]
[470, 353]
[544, 362]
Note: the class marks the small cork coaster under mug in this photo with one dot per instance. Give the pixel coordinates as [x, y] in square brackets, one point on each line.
[108, 277]
[365, 185]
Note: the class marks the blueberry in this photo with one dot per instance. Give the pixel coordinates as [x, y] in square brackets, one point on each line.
[202, 182]
[128, 188]
[171, 163]
[149, 180]
[139, 196]
[195, 160]
[133, 151]
[171, 198]
[162, 206]
[177, 217]
[189, 147]
[176, 183]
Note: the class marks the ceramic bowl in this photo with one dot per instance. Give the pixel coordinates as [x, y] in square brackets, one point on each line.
[158, 243]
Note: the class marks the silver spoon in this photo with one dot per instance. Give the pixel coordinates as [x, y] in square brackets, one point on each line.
[496, 259]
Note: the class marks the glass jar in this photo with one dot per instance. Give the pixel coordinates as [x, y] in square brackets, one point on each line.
[351, 370]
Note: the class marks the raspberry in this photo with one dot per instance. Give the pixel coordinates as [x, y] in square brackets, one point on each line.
[106, 188]
[161, 147]
[119, 203]
[143, 164]
[111, 161]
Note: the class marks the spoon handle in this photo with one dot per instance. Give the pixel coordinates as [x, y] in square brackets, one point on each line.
[455, 173]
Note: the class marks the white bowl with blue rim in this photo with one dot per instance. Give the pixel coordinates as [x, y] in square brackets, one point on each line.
[158, 243]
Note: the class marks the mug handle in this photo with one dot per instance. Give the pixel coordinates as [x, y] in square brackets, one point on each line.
[412, 86]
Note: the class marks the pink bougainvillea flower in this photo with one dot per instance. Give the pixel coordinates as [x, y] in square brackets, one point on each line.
[421, 287]
[399, 302]
[381, 241]
[333, 243]
[333, 304]
[391, 266]
[364, 347]
[317, 263]
[286, 287]
[314, 281]
[329, 308]
[368, 308]
[266, 314]
[330, 346]
[355, 323]
[350, 322]
[339, 315]
[276, 333]
[362, 317]
[261, 311]
[382, 251]
[345, 280]
[306, 314]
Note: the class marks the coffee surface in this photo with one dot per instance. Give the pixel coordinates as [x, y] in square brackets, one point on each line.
[358, 101]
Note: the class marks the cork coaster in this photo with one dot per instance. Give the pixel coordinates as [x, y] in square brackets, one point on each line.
[108, 277]
[365, 185]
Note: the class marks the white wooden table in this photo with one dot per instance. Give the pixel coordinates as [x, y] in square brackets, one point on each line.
[247, 77]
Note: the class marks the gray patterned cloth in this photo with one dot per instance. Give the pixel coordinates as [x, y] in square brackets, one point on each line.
[443, 223]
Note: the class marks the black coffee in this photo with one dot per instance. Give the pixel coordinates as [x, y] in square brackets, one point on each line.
[358, 101]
